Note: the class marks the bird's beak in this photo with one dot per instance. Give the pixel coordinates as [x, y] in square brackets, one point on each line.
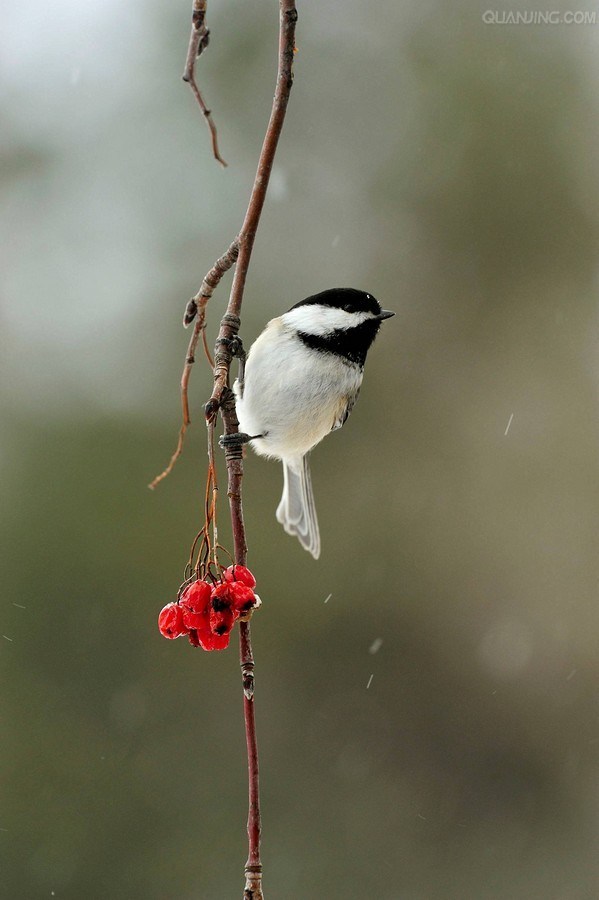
[385, 314]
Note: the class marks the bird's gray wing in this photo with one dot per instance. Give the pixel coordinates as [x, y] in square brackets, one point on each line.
[347, 404]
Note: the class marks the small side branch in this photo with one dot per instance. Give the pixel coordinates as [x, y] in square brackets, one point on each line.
[211, 282]
[198, 41]
[196, 309]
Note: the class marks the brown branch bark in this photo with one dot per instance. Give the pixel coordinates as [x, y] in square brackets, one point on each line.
[198, 41]
[210, 282]
[197, 307]
[288, 18]
[222, 398]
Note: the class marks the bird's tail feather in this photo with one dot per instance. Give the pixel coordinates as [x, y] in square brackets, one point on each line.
[296, 511]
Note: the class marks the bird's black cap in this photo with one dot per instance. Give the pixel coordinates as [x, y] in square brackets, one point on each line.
[349, 299]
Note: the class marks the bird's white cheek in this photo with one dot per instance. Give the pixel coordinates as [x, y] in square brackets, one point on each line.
[321, 320]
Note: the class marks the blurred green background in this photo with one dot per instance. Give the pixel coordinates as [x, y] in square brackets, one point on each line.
[449, 167]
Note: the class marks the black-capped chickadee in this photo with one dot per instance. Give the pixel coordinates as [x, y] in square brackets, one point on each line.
[302, 377]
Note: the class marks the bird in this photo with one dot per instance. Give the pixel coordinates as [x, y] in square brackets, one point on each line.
[300, 381]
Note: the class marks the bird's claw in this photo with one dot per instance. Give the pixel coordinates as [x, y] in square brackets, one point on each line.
[231, 441]
[234, 345]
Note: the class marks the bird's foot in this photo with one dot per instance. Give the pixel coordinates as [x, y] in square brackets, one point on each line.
[235, 441]
[235, 346]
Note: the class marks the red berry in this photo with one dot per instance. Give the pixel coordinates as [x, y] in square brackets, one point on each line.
[196, 619]
[240, 573]
[170, 621]
[210, 641]
[222, 622]
[242, 596]
[196, 597]
[193, 638]
[221, 597]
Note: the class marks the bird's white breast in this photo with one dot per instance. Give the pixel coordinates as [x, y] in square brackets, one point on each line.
[292, 395]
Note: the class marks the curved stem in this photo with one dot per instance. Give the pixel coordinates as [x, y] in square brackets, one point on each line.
[223, 398]
[229, 325]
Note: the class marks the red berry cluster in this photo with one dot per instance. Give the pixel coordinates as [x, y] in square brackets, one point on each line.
[207, 612]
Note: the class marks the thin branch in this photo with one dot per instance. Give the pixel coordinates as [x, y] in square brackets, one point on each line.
[211, 281]
[189, 361]
[197, 307]
[223, 398]
[207, 352]
[198, 41]
[288, 19]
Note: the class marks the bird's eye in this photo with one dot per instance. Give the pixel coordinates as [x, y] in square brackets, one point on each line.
[349, 307]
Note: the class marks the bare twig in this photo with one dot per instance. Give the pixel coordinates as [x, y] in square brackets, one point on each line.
[223, 398]
[212, 496]
[211, 281]
[198, 41]
[189, 361]
[247, 234]
[197, 307]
